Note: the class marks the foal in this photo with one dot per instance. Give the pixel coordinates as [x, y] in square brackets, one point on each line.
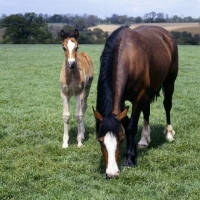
[76, 79]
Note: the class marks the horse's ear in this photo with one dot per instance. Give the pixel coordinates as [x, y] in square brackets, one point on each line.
[62, 34]
[76, 33]
[97, 115]
[122, 114]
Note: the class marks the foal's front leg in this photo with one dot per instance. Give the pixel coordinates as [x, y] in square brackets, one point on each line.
[80, 104]
[66, 116]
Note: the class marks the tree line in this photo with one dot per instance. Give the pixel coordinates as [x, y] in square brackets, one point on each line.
[34, 28]
[31, 28]
[92, 20]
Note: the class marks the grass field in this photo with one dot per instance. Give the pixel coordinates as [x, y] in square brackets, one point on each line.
[34, 166]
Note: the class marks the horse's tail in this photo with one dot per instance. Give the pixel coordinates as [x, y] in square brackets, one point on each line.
[155, 94]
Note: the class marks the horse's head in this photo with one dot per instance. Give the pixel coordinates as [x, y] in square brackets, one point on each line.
[70, 46]
[110, 136]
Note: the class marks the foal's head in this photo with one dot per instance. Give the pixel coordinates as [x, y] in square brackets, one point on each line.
[70, 46]
[110, 136]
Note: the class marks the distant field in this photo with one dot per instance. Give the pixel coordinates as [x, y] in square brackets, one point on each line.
[193, 28]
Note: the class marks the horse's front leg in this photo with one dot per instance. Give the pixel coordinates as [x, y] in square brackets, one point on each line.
[131, 155]
[145, 139]
[66, 116]
[80, 105]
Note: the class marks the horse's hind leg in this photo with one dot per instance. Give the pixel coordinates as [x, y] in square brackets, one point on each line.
[66, 115]
[145, 137]
[168, 88]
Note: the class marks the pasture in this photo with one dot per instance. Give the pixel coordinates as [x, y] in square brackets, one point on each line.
[33, 164]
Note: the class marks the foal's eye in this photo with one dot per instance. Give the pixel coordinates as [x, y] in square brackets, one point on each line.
[76, 48]
[64, 48]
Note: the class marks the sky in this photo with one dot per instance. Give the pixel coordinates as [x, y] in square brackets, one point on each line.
[102, 8]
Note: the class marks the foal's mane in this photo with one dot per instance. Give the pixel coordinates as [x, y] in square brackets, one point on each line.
[105, 85]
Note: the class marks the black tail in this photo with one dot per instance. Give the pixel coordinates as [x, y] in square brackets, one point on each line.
[155, 94]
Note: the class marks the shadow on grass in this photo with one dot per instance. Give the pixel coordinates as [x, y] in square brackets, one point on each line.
[157, 139]
[73, 131]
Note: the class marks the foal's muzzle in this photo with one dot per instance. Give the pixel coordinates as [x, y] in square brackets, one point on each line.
[71, 64]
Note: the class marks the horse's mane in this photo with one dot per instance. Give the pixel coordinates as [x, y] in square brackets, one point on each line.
[105, 86]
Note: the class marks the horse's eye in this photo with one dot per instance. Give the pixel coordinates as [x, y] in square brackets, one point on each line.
[64, 48]
[76, 48]
[101, 140]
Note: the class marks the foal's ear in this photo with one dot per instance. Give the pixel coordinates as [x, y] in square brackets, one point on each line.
[97, 115]
[76, 33]
[122, 114]
[62, 34]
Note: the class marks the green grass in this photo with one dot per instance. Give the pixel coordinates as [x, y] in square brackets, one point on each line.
[34, 166]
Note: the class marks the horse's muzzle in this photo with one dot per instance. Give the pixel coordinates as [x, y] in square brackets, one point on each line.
[71, 64]
[115, 175]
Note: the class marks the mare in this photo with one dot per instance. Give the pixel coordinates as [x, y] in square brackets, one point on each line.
[75, 78]
[135, 64]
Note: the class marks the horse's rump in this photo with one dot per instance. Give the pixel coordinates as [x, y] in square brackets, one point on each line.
[147, 56]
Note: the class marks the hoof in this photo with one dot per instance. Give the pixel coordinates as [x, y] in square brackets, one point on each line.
[80, 145]
[142, 146]
[129, 164]
[169, 135]
[65, 146]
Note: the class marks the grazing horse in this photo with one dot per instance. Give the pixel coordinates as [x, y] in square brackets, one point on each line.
[76, 79]
[135, 65]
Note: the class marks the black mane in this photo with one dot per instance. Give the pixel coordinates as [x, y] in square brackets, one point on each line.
[105, 86]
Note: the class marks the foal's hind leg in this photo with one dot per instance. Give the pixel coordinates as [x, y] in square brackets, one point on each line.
[66, 115]
[168, 88]
[145, 137]
[80, 105]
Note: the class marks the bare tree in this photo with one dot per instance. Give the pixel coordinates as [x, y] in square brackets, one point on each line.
[152, 16]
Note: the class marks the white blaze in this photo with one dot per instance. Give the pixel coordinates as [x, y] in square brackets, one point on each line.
[111, 145]
[70, 46]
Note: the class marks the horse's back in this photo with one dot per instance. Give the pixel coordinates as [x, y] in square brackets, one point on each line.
[157, 42]
[162, 49]
[156, 51]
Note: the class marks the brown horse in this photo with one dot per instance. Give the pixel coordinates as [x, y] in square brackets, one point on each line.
[135, 65]
[76, 79]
